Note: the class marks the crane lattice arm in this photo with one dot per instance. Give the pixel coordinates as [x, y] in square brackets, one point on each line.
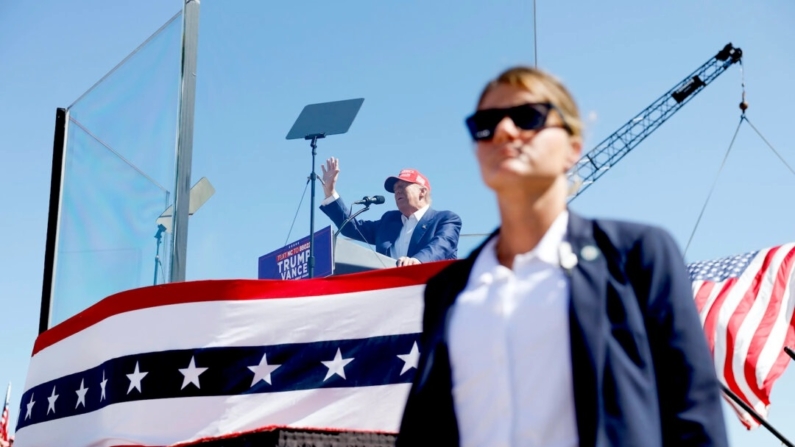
[606, 154]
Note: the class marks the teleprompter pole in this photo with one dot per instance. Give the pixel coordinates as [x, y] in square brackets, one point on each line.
[312, 178]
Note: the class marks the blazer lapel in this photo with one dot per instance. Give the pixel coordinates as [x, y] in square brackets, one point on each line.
[586, 326]
[420, 230]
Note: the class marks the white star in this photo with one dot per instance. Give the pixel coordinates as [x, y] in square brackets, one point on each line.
[81, 395]
[411, 359]
[336, 366]
[191, 374]
[263, 371]
[102, 385]
[135, 379]
[53, 397]
[30, 407]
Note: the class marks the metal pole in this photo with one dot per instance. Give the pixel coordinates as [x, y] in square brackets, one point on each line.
[51, 245]
[756, 416]
[535, 38]
[190, 42]
[312, 177]
[789, 352]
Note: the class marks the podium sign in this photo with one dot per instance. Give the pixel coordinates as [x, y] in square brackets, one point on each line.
[292, 261]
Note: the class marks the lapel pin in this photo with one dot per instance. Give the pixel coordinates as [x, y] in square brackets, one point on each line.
[567, 257]
[589, 252]
[424, 227]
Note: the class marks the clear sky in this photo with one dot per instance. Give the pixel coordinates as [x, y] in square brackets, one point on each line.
[419, 66]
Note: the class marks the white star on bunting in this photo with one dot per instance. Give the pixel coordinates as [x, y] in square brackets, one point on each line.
[53, 397]
[81, 395]
[410, 360]
[336, 366]
[263, 371]
[102, 385]
[30, 407]
[191, 374]
[135, 379]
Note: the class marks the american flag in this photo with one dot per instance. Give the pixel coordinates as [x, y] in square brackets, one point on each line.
[746, 307]
[4, 416]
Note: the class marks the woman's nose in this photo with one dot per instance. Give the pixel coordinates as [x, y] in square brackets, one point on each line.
[506, 130]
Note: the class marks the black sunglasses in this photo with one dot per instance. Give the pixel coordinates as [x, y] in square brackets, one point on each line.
[531, 116]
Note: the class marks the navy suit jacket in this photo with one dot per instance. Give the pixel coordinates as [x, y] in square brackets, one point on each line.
[642, 371]
[434, 239]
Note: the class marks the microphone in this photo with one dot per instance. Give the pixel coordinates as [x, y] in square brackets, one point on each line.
[374, 200]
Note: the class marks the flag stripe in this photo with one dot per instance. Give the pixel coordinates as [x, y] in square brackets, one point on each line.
[233, 323]
[703, 291]
[779, 276]
[375, 362]
[711, 320]
[723, 309]
[735, 356]
[207, 416]
[214, 290]
[782, 358]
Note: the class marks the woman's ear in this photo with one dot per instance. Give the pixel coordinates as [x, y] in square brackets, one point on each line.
[575, 152]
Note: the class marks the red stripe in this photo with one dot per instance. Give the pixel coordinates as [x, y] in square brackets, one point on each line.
[712, 315]
[238, 290]
[736, 320]
[783, 359]
[766, 325]
[703, 294]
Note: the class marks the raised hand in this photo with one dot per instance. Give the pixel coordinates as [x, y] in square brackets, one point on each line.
[331, 170]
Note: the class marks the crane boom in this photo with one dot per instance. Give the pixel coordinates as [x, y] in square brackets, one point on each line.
[606, 154]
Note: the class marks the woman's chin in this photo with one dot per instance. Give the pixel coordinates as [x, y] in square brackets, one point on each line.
[512, 177]
[514, 168]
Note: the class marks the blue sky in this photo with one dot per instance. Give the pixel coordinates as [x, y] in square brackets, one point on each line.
[420, 67]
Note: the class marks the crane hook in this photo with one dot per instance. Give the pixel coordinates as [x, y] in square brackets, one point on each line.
[744, 103]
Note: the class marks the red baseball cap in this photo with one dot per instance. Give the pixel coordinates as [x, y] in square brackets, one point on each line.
[407, 175]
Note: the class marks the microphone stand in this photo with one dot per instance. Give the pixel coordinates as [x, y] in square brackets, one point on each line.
[345, 222]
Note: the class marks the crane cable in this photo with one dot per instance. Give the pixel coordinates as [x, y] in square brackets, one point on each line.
[297, 211]
[712, 189]
[535, 38]
[743, 108]
[769, 145]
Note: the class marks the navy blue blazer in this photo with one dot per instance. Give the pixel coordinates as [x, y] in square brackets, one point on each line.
[434, 239]
[642, 371]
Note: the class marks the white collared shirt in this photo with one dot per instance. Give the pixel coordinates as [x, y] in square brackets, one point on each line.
[510, 351]
[401, 246]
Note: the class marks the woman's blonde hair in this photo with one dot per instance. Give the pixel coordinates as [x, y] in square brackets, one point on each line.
[544, 85]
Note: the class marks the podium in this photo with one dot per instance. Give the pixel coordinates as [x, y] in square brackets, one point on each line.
[335, 256]
[350, 257]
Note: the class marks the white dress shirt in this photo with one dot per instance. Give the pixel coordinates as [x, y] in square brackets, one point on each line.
[401, 246]
[510, 351]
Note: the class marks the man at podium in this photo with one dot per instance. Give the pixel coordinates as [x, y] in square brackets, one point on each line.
[414, 234]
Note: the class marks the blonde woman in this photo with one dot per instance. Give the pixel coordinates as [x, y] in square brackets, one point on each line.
[559, 330]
